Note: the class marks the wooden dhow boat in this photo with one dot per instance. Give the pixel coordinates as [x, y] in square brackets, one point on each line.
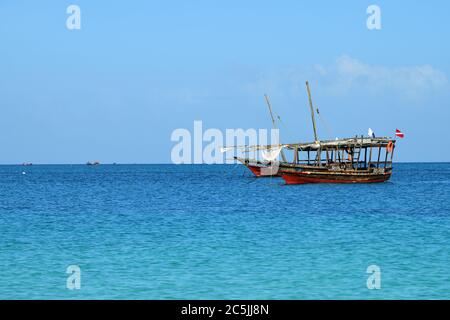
[264, 168]
[341, 160]
[350, 160]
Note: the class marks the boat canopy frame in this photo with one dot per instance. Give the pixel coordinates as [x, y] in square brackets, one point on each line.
[348, 153]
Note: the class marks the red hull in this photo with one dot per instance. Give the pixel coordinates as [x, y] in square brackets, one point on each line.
[302, 178]
[257, 171]
[256, 167]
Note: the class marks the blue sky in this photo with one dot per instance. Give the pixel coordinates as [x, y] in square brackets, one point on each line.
[116, 89]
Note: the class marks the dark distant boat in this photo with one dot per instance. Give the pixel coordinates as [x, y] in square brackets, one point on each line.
[93, 163]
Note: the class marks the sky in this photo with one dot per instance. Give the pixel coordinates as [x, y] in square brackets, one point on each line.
[117, 88]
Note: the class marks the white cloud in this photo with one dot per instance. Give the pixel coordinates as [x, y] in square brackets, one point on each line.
[408, 82]
[348, 75]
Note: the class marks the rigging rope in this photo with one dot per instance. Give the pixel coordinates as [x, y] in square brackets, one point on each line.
[285, 127]
[325, 124]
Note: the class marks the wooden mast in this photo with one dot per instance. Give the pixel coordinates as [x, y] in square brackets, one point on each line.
[312, 113]
[274, 124]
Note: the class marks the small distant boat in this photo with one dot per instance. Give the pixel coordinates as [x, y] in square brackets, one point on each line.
[27, 164]
[93, 163]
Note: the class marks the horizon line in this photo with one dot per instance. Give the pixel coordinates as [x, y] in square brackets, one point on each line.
[157, 163]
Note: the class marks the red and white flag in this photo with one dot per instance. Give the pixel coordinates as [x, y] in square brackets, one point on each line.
[399, 134]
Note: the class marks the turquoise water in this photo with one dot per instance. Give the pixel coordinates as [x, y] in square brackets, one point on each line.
[214, 232]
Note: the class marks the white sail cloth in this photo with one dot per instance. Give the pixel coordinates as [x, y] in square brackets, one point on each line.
[271, 154]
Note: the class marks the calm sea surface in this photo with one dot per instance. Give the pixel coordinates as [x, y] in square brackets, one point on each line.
[215, 232]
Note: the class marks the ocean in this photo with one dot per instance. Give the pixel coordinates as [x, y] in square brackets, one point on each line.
[216, 232]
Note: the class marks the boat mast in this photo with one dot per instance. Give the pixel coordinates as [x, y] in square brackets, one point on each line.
[274, 123]
[312, 112]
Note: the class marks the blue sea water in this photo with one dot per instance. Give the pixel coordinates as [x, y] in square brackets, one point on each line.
[215, 232]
